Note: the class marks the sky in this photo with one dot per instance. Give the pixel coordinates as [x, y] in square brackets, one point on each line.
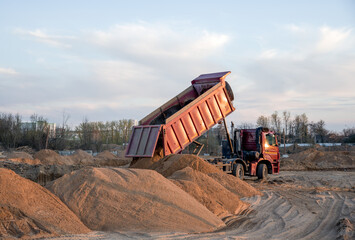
[109, 60]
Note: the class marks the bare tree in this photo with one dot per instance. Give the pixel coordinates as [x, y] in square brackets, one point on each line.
[84, 131]
[10, 130]
[263, 121]
[246, 125]
[286, 118]
[318, 130]
[276, 122]
[300, 124]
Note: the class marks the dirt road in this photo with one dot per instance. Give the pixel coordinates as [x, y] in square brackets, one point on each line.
[295, 205]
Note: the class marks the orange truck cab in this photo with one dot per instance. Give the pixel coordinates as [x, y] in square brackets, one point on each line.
[252, 152]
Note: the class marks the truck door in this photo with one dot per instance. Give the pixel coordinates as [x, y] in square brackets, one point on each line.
[271, 146]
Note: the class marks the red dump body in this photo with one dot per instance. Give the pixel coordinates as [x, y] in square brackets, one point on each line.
[184, 118]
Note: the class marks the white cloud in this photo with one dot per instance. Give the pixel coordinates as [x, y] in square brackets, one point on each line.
[331, 39]
[158, 41]
[268, 54]
[295, 28]
[8, 71]
[302, 77]
[130, 69]
[41, 36]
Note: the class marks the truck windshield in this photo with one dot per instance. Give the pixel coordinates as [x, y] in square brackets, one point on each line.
[270, 139]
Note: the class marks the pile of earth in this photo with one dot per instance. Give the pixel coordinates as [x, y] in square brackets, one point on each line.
[47, 165]
[39, 173]
[81, 157]
[50, 157]
[217, 191]
[21, 157]
[146, 163]
[121, 199]
[26, 149]
[106, 158]
[315, 159]
[29, 210]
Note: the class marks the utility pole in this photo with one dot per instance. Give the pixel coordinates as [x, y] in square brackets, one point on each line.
[283, 132]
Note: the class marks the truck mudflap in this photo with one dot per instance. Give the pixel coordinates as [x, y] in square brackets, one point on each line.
[143, 141]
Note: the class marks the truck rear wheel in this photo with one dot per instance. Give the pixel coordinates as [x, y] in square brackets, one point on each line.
[238, 170]
[261, 171]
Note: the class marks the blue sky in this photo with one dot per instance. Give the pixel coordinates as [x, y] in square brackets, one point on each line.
[108, 60]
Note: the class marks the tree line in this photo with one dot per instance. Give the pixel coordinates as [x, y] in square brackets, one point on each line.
[93, 135]
[39, 134]
[300, 130]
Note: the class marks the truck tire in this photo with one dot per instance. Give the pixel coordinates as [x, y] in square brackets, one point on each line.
[238, 170]
[261, 171]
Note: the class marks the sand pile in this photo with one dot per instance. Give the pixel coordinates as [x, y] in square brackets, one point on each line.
[314, 159]
[209, 192]
[235, 185]
[146, 163]
[16, 154]
[26, 149]
[172, 163]
[50, 157]
[218, 191]
[106, 158]
[22, 157]
[81, 157]
[116, 199]
[40, 174]
[27, 209]
[14, 223]
[175, 162]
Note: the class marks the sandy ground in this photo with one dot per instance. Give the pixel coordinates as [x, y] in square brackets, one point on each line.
[295, 205]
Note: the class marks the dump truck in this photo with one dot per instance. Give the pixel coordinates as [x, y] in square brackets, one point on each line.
[172, 127]
[252, 152]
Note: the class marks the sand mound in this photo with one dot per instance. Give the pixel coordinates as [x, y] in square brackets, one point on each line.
[20, 155]
[26, 149]
[235, 185]
[81, 157]
[39, 173]
[14, 223]
[106, 158]
[146, 163]
[26, 208]
[208, 191]
[50, 157]
[213, 188]
[112, 199]
[175, 162]
[106, 155]
[314, 159]
[25, 160]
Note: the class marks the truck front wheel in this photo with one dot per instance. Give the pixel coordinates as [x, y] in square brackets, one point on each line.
[261, 171]
[238, 170]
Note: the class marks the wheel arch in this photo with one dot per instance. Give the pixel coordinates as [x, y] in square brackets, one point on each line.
[268, 164]
[241, 161]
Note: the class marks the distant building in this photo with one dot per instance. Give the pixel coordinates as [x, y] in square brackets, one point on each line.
[49, 127]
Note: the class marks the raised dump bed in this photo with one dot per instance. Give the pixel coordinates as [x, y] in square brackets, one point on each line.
[180, 121]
